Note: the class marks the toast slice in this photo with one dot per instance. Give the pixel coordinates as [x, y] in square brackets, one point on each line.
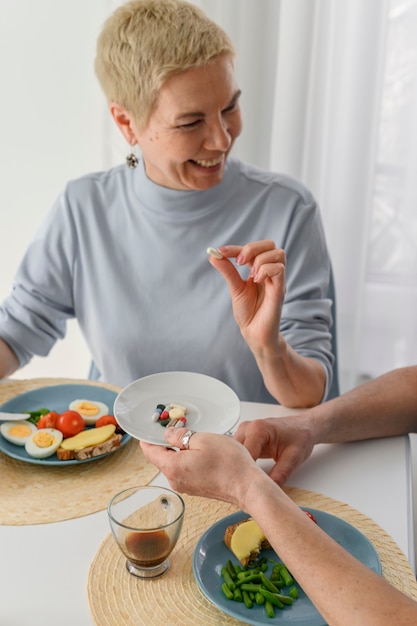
[246, 540]
[107, 446]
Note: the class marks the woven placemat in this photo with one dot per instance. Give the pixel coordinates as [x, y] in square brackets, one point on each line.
[116, 597]
[38, 494]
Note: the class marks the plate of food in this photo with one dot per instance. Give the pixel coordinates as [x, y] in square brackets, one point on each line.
[211, 555]
[202, 403]
[43, 439]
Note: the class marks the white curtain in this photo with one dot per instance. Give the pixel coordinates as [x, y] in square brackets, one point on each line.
[330, 97]
[338, 82]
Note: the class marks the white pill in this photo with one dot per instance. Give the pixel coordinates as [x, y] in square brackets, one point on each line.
[214, 252]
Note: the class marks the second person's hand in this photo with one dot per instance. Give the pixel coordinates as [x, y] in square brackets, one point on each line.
[287, 440]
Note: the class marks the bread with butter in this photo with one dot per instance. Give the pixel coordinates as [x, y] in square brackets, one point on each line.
[111, 444]
[246, 540]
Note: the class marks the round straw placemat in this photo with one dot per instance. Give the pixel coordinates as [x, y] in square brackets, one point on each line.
[116, 597]
[38, 494]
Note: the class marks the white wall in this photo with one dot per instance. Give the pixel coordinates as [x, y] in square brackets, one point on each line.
[51, 114]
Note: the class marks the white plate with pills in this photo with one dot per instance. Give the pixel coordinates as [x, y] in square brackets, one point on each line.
[202, 403]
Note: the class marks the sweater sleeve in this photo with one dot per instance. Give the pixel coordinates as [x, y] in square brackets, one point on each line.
[306, 319]
[33, 317]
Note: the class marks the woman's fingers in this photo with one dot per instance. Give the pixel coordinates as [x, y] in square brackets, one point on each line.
[262, 257]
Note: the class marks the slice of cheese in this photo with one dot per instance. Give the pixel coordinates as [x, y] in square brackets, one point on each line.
[91, 437]
[246, 540]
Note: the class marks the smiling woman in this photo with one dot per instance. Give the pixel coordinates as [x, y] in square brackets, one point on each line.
[179, 102]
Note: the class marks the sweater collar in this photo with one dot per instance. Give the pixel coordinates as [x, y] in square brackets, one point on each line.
[165, 201]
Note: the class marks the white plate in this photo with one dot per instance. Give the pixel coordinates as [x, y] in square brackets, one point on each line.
[211, 405]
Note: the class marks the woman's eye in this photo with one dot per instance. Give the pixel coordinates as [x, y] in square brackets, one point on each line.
[190, 124]
[230, 108]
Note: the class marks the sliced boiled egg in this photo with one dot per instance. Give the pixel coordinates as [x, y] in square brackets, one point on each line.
[90, 410]
[43, 443]
[17, 432]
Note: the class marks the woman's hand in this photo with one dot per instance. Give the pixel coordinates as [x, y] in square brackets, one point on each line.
[292, 379]
[212, 466]
[257, 301]
[9, 362]
[287, 440]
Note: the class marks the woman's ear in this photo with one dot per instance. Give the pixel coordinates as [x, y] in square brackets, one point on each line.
[124, 122]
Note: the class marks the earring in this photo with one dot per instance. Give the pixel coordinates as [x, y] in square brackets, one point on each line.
[132, 159]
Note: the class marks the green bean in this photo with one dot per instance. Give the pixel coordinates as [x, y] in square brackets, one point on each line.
[231, 569]
[268, 584]
[293, 593]
[246, 599]
[269, 609]
[246, 574]
[248, 579]
[286, 576]
[228, 580]
[227, 592]
[276, 580]
[249, 587]
[259, 598]
[271, 597]
[237, 595]
[285, 599]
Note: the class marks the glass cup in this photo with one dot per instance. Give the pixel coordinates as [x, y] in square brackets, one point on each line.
[146, 523]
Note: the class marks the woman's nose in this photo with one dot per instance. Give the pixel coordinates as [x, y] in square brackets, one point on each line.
[218, 136]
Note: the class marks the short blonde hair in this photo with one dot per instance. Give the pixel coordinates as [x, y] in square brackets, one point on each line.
[145, 41]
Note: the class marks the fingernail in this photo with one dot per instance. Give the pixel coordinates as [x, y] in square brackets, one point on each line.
[240, 260]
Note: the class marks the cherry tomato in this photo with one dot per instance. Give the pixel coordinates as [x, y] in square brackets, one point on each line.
[48, 420]
[108, 419]
[311, 516]
[70, 423]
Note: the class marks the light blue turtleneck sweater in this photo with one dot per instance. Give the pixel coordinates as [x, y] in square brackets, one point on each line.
[128, 259]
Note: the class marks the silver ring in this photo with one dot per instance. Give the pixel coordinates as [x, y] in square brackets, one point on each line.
[185, 441]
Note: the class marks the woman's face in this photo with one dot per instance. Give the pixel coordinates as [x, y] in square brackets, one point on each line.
[193, 127]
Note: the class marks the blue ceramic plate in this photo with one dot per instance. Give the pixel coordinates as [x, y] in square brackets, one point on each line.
[56, 398]
[211, 554]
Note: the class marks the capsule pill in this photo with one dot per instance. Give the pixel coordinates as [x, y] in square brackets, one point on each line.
[214, 252]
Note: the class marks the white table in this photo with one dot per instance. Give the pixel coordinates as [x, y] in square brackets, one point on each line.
[44, 568]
